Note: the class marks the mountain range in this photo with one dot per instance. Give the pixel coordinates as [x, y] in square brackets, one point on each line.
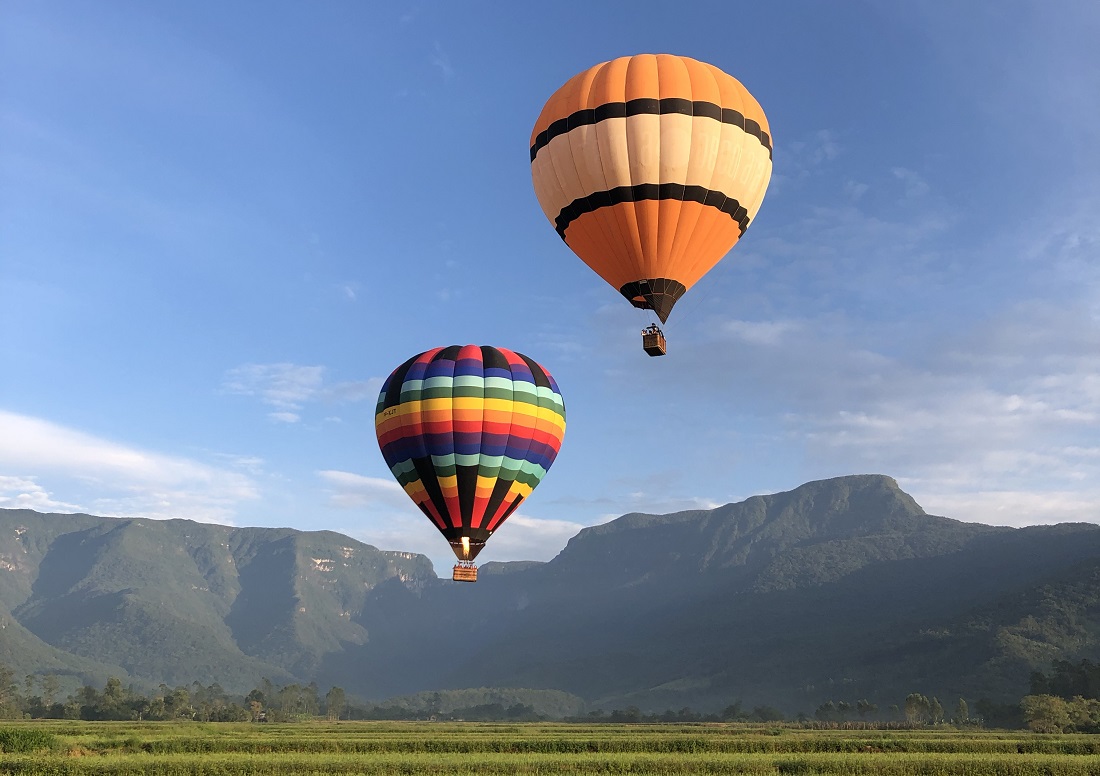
[837, 590]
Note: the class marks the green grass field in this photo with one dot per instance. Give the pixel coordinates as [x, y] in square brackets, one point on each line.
[121, 748]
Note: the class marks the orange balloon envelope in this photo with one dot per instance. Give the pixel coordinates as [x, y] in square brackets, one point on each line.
[650, 168]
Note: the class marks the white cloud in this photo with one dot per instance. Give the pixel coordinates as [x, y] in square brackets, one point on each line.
[283, 386]
[113, 478]
[25, 493]
[529, 538]
[355, 390]
[1001, 420]
[759, 332]
[855, 190]
[356, 491]
[876, 344]
[813, 150]
[443, 62]
[652, 495]
[1009, 507]
[290, 387]
[914, 184]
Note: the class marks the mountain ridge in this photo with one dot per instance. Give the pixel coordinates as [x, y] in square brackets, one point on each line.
[839, 585]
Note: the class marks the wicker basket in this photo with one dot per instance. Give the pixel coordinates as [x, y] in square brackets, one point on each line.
[465, 574]
[654, 344]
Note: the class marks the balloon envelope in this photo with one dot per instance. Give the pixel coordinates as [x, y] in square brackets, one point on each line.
[650, 168]
[469, 431]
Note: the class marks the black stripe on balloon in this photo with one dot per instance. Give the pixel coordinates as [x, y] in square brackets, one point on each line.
[648, 105]
[426, 471]
[541, 380]
[508, 512]
[393, 391]
[643, 191]
[493, 358]
[467, 488]
[500, 490]
[449, 353]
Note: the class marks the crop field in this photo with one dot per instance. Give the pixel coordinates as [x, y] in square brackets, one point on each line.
[218, 749]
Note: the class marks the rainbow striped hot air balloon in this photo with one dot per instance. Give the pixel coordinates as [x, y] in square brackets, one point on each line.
[469, 431]
[650, 168]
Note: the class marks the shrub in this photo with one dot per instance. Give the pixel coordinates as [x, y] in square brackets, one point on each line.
[26, 740]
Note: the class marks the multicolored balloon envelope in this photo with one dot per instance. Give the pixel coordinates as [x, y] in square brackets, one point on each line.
[651, 167]
[469, 431]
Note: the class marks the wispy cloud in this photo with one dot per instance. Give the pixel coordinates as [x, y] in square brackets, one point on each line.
[914, 184]
[1011, 507]
[443, 62]
[524, 537]
[355, 491]
[111, 478]
[26, 493]
[768, 333]
[288, 388]
[997, 416]
[877, 341]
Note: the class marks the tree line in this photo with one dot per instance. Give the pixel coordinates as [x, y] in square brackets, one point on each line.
[38, 698]
[1066, 701]
[1063, 701]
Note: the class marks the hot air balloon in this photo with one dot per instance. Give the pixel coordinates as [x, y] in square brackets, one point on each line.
[469, 431]
[650, 168]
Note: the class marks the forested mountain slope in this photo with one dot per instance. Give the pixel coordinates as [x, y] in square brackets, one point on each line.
[839, 589]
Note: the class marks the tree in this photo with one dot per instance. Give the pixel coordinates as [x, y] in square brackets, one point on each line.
[1068, 680]
[732, 713]
[917, 708]
[962, 712]
[865, 707]
[1046, 713]
[267, 690]
[1084, 714]
[111, 703]
[10, 707]
[935, 711]
[826, 712]
[178, 704]
[767, 714]
[335, 701]
[50, 687]
[311, 701]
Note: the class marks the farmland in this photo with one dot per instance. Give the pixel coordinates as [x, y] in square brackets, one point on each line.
[213, 749]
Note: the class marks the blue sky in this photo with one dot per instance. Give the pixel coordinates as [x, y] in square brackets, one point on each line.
[220, 230]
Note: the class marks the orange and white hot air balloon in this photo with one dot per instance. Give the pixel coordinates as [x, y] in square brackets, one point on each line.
[651, 167]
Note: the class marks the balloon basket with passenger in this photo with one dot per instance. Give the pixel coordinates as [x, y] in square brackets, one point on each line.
[653, 340]
[465, 571]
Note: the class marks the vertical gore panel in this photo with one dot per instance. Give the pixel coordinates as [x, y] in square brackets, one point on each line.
[643, 137]
[469, 414]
